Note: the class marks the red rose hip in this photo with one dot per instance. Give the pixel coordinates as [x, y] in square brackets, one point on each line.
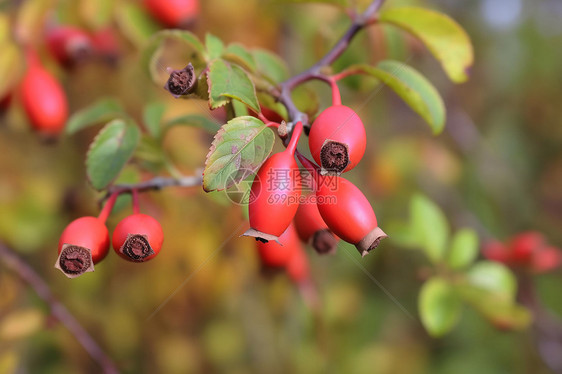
[273, 254]
[173, 13]
[68, 44]
[83, 243]
[348, 214]
[138, 238]
[313, 230]
[274, 194]
[43, 99]
[337, 139]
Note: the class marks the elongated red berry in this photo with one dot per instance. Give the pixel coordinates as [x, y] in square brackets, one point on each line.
[138, 238]
[68, 44]
[173, 13]
[298, 267]
[496, 251]
[546, 259]
[523, 245]
[275, 193]
[348, 213]
[273, 254]
[43, 99]
[313, 230]
[106, 45]
[337, 139]
[83, 243]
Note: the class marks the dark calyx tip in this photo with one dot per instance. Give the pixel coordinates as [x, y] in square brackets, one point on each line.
[324, 242]
[74, 261]
[136, 247]
[370, 241]
[261, 236]
[181, 82]
[334, 157]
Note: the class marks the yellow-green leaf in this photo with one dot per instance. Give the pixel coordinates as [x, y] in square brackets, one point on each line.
[154, 48]
[429, 227]
[412, 87]
[444, 37]
[439, 306]
[464, 249]
[228, 81]
[109, 152]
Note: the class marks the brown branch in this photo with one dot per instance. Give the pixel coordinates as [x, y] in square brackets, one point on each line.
[156, 184]
[27, 273]
[283, 91]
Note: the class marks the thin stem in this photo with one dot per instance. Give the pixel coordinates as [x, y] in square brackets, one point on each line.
[336, 96]
[58, 310]
[108, 207]
[263, 117]
[292, 146]
[136, 208]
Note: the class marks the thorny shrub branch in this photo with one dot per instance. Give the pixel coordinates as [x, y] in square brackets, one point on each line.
[283, 92]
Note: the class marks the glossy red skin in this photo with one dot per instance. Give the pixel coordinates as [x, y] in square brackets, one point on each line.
[298, 268]
[524, 244]
[546, 259]
[341, 124]
[273, 209]
[351, 216]
[138, 224]
[44, 100]
[173, 13]
[275, 255]
[87, 232]
[66, 43]
[308, 221]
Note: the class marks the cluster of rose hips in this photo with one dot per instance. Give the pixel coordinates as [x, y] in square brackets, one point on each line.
[277, 213]
[85, 241]
[527, 250]
[43, 98]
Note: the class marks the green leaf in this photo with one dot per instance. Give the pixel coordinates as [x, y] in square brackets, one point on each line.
[153, 50]
[230, 81]
[445, 38]
[464, 249]
[238, 54]
[501, 312]
[135, 23]
[494, 278]
[215, 46]
[101, 111]
[194, 120]
[152, 116]
[429, 227]
[238, 150]
[412, 87]
[109, 152]
[270, 66]
[439, 306]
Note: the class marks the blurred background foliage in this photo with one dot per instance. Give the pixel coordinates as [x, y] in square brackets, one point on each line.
[204, 305]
